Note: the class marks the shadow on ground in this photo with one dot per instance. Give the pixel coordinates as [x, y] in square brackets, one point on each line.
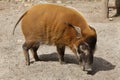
[99, 64]
[53, 57]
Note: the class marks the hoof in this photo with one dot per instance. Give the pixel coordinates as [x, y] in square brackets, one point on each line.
[87, 69]
[37, 59]
[62, 62]
[90, 72]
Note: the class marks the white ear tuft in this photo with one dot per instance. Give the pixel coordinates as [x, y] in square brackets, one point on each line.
[78, 30]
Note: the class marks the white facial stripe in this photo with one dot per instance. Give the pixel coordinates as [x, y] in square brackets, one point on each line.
[84, 51]
[81, 48]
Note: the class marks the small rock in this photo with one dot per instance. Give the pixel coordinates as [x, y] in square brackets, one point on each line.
[110, 19]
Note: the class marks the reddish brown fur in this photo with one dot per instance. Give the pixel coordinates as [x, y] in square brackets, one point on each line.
[45, 23]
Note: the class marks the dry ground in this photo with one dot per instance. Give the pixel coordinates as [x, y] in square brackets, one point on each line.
[12, 65]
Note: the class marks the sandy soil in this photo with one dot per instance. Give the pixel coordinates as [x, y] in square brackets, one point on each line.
[12, 65]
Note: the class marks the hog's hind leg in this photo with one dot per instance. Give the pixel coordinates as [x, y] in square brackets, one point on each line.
[34, 49]
[26, 48]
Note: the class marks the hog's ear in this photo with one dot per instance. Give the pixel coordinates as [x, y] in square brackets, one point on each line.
[77, 29]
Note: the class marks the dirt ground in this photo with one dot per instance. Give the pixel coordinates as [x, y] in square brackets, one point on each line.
[12, 64]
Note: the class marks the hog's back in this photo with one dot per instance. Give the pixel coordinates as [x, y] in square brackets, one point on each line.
[46, 23]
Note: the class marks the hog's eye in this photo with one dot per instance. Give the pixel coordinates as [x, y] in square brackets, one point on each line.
[84, 47]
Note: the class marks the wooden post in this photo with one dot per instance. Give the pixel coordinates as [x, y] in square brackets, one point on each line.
[117, 4]
[105, 8]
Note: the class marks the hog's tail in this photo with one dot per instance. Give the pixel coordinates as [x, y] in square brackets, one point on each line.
[19, 21]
